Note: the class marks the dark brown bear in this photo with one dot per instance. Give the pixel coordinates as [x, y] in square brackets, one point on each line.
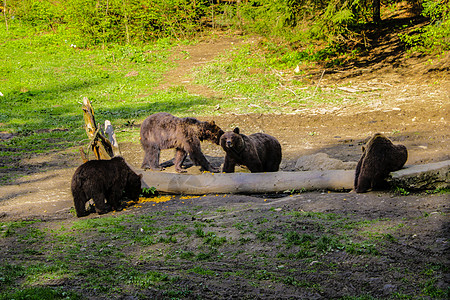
[259, 152]
[106, 182]
[164, 131]
[380, 157]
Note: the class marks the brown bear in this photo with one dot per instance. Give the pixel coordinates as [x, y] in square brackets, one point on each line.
[380, 157]
[259, 152]
[106, 182]
[164, 131]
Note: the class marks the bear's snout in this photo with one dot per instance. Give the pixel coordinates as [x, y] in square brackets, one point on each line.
[229, 144]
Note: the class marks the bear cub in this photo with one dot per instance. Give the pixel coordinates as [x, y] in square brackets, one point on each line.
[380, 157]
[164, 131]
[106, 182]
[259, 152]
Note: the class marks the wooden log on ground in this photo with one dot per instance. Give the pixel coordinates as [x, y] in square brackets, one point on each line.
[422, 177]
[248, 183]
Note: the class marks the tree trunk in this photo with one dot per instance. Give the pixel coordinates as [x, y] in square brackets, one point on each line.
[376, 11]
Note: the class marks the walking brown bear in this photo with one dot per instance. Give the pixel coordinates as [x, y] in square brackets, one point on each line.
[106, 182]
[259, 152]
[164, 131]
[380, 157]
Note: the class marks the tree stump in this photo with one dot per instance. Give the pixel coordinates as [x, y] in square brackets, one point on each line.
[102, 147]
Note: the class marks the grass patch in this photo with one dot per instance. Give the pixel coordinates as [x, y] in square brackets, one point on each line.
[44, 80]
[254, 76]
[9, 273]
[40, 293]
[201, 271]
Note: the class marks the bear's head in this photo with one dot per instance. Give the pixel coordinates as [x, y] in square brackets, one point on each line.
[232, 141]
[211, 132]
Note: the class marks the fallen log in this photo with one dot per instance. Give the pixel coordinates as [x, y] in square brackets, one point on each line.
[219, 183]
[417, 177]
[422, 177]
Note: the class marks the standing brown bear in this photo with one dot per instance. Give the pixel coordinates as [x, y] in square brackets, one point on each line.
[164, 131]
[259, 152]
[106, 182]
[380, 157]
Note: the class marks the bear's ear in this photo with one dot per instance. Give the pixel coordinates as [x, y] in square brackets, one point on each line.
[212, 123]
[141, 175]
[236, 130]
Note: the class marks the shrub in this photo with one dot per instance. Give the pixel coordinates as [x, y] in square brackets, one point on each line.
[435, 37]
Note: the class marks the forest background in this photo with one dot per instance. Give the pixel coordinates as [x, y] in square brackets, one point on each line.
[295, 22]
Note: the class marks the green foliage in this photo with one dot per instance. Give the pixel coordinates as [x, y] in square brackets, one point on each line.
[150, 191]
[439, 191]
[300, 20]
[401, 191]
[43, 15]
[105, 21]
[435, 37]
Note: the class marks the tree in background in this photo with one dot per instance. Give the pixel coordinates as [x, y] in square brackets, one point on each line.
[376, 11]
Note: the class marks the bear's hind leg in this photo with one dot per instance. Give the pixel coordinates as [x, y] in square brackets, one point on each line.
[151, 158]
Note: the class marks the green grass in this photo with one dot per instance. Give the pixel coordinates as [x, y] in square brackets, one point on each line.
[44, 80]
[40, 293]
[253, 78]
[123, 254]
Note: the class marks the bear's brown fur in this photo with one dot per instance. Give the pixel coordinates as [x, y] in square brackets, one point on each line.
[380, 157]
[106, 182]
[259, 152]
[164, 131]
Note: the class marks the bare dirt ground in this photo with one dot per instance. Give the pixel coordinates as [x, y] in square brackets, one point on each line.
[406, 98]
